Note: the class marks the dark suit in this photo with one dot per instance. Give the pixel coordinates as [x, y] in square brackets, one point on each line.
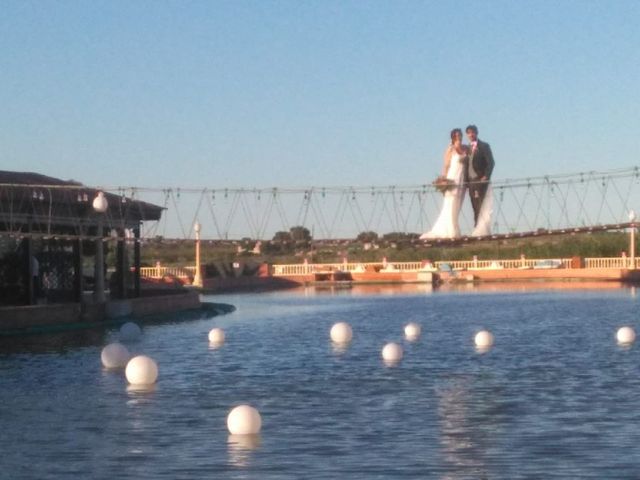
[480, 165]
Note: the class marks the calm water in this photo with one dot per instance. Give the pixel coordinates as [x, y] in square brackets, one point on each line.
[555, 397]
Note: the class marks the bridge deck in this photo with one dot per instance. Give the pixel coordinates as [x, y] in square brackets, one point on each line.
[534, 233]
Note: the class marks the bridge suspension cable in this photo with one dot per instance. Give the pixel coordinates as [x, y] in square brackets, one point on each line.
[583, 201]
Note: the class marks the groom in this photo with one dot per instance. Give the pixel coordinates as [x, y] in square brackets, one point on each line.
[479, 170]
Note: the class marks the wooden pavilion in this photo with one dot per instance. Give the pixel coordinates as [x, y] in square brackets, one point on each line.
[51, 230]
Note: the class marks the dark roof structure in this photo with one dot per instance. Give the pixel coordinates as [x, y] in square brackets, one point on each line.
[31, 203]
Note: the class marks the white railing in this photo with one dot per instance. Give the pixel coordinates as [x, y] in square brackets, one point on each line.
[610, 262]
[161, 272]
[508, 264]
[311, 268]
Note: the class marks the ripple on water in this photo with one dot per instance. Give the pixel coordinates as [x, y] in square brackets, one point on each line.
[555, 397]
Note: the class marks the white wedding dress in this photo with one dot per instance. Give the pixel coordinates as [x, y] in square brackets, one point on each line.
[483, 227]
[446, 225]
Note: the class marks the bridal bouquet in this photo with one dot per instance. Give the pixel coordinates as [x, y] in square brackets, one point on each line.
[443, 184]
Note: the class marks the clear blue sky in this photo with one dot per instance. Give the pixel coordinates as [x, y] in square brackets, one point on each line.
[291, 93]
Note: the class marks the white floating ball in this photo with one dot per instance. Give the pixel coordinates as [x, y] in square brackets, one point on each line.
[141, 370]
[216, 335]
[484, 339]
[244, 420]
[392, 352]
[626, 335]
[130, 332]
[115, 355]
[341, 332]
[412, 331]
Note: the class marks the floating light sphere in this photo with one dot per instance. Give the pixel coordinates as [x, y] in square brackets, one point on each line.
[392, 352]
[115, 355]
[626, 335]
[341, 332]
[244, 420]
[141, 370]
[412, 331]
[216, 336]
[130, 332]
[484, 339]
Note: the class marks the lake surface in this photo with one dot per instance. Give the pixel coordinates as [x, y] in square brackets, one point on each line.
[555, 397]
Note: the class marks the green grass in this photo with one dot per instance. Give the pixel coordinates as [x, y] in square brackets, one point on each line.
[607, 244]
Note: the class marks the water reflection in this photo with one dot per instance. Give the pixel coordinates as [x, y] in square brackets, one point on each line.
[141, 391]
[339, 348]
[482, 350]
[52, 342]
[240, 448]
[356, 290]
[566, 407]
[366, 290]
[464, 450]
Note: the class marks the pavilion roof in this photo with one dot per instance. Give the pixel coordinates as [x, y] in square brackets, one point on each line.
[31, 202]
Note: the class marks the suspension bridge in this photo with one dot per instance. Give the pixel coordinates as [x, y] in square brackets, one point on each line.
[523, 207]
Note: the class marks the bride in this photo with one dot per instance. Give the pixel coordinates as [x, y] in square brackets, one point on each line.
[455, 161]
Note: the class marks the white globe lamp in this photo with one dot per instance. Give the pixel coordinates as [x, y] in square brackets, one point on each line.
[130, 332]
[244, 420]
[141, 370]
[115, 355]
[412, 331]
[100, 203]
[483, 339]
[341, 333]
[216, 336]
[625, 336]
[392, 353]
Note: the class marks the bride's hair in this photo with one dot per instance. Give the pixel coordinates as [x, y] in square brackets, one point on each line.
[454, 132]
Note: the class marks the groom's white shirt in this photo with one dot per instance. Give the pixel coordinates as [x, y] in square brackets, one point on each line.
[472, 173]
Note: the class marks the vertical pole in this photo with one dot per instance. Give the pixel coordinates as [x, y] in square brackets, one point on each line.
[27, 246]
[121, 265]
[78, 280]
[197, 278]
[136, 261]
[98, 276]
